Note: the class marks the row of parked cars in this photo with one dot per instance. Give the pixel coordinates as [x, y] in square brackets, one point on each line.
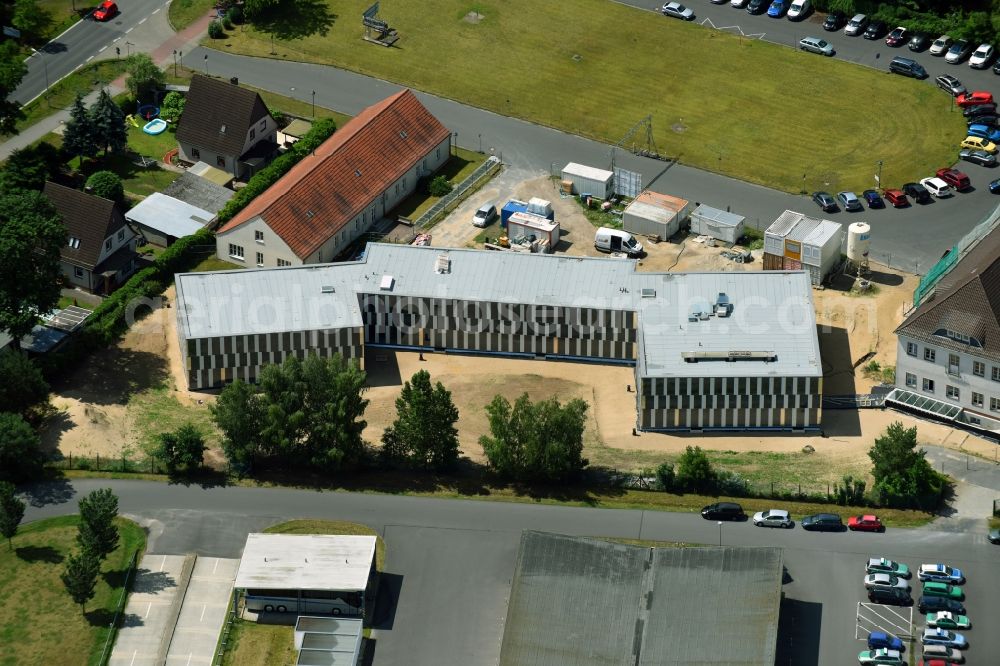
[887, 582]
[941, 185]
[822, 522]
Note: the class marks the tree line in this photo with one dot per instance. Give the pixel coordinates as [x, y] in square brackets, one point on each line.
[975, 20]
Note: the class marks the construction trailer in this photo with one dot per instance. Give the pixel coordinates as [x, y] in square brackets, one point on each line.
[654, 214]
[719, 224]
[527, 228]
[589, 180]
[798, 242]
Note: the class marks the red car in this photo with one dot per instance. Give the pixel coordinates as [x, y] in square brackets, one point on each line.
[897, 37]
[896, 198]
[974, 98]
[936, 662]
[954, 177]
[107, 11]
[865, 523]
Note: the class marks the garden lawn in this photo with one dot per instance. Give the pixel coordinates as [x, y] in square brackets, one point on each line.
[458, 167]
[39, 623]
[750, 109]
[185, 12]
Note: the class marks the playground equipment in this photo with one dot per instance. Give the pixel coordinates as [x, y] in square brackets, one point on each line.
[377, 31]
[130, 118]
[149, 111]
[155, 126]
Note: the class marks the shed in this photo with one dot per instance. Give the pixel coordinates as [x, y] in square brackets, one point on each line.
[719, 224]
[162, 219]
[199, 192]
[294, 131]
[589, 180]
[525, 228]
[328, 641]
[654, 214]
[209, 172]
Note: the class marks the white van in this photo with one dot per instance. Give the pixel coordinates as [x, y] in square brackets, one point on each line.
[616, 240]
[799, 10]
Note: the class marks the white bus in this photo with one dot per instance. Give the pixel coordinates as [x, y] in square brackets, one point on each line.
[347, 604]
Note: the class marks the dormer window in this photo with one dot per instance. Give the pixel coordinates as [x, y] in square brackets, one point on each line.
[74, 243]
[107, 244]
[957, 336]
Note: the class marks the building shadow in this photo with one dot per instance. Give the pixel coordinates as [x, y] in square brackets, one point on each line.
[368, 652]
[841, 423]
[382, 367]
[798, 633]
[390, 586]
[838, 366]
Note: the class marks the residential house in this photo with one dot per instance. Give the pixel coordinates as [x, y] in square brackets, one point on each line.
[334, 195]
[948, 349]
[99, 254]
[227, 127]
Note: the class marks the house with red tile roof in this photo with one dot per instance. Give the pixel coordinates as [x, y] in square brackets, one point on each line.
[337, 193]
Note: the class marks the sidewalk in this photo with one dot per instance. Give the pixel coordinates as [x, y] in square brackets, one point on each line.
[204, 610]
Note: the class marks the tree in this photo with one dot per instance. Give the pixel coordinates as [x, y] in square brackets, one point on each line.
[181, 449]
[30, 19]
[172, 106]
[239, 413]
[903, 477]
[108, 125]
[665, 476]
[28, 168]
[20, 455]
[80, 577]
[31, 237]
[78, 135]
[424, 429]
[22, 385]
[439, 186]
[694, 471]
[215, 30]
[536, 441]
[11, 512]
[106, 184]
[97, 532]
[144, 77]
[12, 70]
[256, 8]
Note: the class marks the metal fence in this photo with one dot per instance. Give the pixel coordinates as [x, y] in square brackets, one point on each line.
[448, 202]
[227, 628]
[108, 464]
[119, 607]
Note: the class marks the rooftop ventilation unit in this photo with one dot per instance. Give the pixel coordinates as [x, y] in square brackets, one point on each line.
[442, 265]
[327, 289]
[648, 293]
[402, 134]
[731, 355]
[722, 305]
[386, 283]
[357, 172]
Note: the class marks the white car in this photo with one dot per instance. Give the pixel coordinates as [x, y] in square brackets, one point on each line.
[773, 518]
[941, 45]
[856, 25]
[937, 187]
[886, 580]
[677, 10]
[981, 57]
[739, 4]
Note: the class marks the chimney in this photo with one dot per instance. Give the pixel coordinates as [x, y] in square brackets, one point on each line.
[234, 80]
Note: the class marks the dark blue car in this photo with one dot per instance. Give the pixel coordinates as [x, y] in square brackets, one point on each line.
[778, 8]
[995, 189]
[873, 199]
[880, 639]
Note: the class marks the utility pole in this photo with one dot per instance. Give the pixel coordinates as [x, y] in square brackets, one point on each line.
[314, 103]
[878, 176]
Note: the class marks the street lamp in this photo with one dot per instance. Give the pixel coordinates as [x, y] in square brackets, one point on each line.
[206, 63]
[128, 51]
[175, 63]
[455, 136]
[45, 68]
[720, 533]
[878, 176]
[314, 103]
[480, 143]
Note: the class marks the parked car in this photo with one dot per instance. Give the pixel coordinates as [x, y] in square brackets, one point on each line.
[979, 143]
[935, 589]
[881, 657]
[980, 109]
[833, 21]
[757, 6]
[940, 573]
[881, 640]
[486, 214]
[867, 523]
[677, 10]
[941, 654]
[936, 186]
[723, 511]
[856, 25]
[984, 118]
[873, 199]
[738, 4]
[799, 9]
[822, 522]
[982, 56]
[824, 201]
[886, 580]
[934, 604]
[885, 565]
[958, 52]
[816, 45]
[777, 8]
[896, 197]
[889, 595]
[941, 45]
[994, 535]
[980, 157]
[773, 518]
[850, 201]
[106, 11]
[875, 30]
[948, 620]
[918, 193]
[987, 132]
[950, 85]
[897, 36]
[918, 42]
[996, 67]
[933, 636]
[975, 98]
[907, 67]
[957, 179]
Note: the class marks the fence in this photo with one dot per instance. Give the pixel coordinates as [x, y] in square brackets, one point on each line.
[119, 607]
[108, 464]
[220, 647]
[448, 202]
[737, 486]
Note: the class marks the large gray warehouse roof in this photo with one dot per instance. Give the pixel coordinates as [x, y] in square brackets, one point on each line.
[582, 602]
[768, 311]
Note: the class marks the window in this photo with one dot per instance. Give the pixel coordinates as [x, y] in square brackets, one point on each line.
[236, 251]
[952, 392]
[220, 161]
[995, 373]
[263, 124]
[977, 399]
[979, 368]
[74, 243]
[929, 354]
[911, 348]
[107, 244]
[994, 405]
[437, 154]
[929, 385]
[121, 235]
[282, 262]
[260, 258]
[195, 153]
[911, 379]
[253, 133]
[953, 364]
[258, 236]
[77, 271]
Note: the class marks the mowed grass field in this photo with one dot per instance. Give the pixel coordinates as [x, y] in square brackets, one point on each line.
[750, 109]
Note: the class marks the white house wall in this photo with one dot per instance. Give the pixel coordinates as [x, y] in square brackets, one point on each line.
[272, 248]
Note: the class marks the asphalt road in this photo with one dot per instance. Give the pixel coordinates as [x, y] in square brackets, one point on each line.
[450, 561]
[79, 45]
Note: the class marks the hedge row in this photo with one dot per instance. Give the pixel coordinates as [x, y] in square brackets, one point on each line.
[321, 130]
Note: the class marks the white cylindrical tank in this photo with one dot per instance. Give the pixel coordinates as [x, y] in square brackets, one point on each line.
[858, 241]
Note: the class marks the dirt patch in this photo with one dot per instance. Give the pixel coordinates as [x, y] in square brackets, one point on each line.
[473, 17]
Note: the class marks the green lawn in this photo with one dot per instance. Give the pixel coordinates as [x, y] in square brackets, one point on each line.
[747, 108]
[39, 623]
[157, 410]
[65, 302]
[213, 263]
[60, 15]
[458, 167]
[185, 12]
[62, 94]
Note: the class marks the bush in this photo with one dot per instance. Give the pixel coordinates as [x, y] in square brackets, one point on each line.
[730, 483]
[106, 184]
[236, 15]
[227, 22]
[849, 491]
[694, 471]
[665, 476]
[172, 106]
[439, 186]
[215, 30]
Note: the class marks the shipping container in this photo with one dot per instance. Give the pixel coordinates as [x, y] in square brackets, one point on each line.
[537, 206]
[803, 242]
[589, 180]
[524, 228]
[653, 214]
[511, 207]
[719, 224]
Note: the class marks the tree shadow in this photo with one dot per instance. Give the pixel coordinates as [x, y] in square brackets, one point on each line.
[113, 376]
[131, 620]
[204, 477]
[297, 20]
[55, 491]
[151, 582]
[99, 617]
[32, 554]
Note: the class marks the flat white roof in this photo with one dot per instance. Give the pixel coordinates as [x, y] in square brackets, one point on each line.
[532, 221]
[589, 172]
[333, 562]
[169, 216]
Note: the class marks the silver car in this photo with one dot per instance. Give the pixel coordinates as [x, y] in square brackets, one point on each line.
[677, 10]
[816, 45]
[856, 25]
[773, 518]
[849, 200]
[941, 45]
[886, 580]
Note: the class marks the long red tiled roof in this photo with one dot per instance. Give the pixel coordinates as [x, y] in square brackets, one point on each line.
[333, 185]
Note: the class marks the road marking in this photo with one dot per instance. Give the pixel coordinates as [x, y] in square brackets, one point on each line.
[142, 21]
[130, 30]
[101, 50]
[214, 568]
[149, 607]
[89, 59]
[134, 652]
[203, 607]
[155, 11]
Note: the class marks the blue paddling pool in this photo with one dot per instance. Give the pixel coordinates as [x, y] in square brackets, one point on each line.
[155, 126]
